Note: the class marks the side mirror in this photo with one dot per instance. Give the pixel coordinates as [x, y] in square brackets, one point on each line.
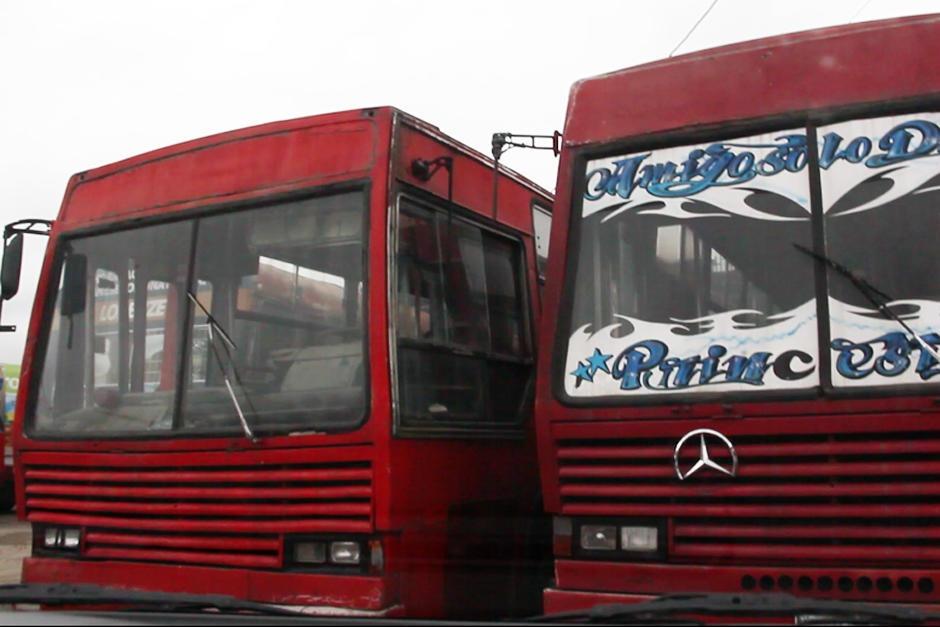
[74, 284]
[12, 264]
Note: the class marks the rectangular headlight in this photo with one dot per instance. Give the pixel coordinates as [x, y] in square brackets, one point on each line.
[599, 537]
[50, 537]
[345, 552]
[71, 539]
[639, 539]
[309, 553]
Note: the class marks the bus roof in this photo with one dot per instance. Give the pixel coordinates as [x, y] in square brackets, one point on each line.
[818, 69]
[132, 185]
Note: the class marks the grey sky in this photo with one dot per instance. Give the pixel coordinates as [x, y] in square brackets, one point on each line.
[87, 83]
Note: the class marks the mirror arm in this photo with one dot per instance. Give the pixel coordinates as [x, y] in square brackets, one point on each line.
[31, 226]
[5, 328]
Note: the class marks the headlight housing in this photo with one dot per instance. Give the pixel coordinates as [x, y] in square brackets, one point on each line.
[610, 539]
[59, 539]
[339, 554]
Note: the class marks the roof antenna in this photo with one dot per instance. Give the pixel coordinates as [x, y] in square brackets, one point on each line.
[504, 141]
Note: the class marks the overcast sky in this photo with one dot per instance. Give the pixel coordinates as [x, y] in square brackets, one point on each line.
[87, 83]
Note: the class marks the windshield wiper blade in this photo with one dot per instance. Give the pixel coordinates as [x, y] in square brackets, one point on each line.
[874, 295]
[88, 594]
[214, 327]
[809, 610]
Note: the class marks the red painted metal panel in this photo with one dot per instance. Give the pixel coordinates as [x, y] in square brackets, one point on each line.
[808, 70]
[262, 162]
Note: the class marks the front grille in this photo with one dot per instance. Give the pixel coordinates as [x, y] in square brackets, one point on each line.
[195, 509]
[866, 498]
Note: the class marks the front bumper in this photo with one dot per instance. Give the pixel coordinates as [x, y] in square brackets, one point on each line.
[337, 595]
[581, 584]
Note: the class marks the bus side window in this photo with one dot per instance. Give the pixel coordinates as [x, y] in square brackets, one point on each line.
[463, 349]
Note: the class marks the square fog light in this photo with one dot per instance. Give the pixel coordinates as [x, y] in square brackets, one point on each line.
[639, 539]
[598, 537]
[50, 537]
[345, 552]
[309, 553]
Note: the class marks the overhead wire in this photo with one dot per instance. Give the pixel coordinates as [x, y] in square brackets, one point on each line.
[694, 26]
[859, 12]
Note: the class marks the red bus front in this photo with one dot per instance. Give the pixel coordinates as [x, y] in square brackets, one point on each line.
[220, 396]
[743, 292]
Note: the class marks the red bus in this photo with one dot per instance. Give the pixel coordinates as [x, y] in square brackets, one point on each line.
[742, 394]
[293, 364]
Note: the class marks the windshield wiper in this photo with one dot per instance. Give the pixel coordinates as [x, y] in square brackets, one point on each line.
[874, 295]
[87, 594]
[229, 345]
[808, 611]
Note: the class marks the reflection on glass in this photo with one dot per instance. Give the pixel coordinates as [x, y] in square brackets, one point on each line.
[462, 350]
[111, 364]
[286, 286]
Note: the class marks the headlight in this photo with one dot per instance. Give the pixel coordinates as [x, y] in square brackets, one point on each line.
[345, 552]
[599, 537]
[639, 539]
[71, 539]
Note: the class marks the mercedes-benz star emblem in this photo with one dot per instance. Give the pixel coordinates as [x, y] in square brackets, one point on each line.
[704, 459]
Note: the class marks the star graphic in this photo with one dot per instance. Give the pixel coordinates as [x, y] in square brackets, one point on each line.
[598, 361]
[583, 373]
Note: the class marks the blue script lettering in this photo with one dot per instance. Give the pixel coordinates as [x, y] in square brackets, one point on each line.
[858, 360]
[647, 364]
[721, 164]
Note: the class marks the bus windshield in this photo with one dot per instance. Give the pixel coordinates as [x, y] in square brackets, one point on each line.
[692, 274]
[129, 350]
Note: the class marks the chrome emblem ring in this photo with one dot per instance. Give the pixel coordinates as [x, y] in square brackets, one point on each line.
[704, 457]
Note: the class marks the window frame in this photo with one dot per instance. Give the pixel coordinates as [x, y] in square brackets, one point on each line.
[444, 428]
[362, 186]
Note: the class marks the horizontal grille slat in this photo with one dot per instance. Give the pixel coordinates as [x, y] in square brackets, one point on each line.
[208, 477]
[777, 490]
[240, 494]
[324, 525]
[868, 496]
[834, 553]
[193, 509]
[248, 510]
[849, 469]
[817, 530]
[271, 545]
[757, 451]
[180, 557]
